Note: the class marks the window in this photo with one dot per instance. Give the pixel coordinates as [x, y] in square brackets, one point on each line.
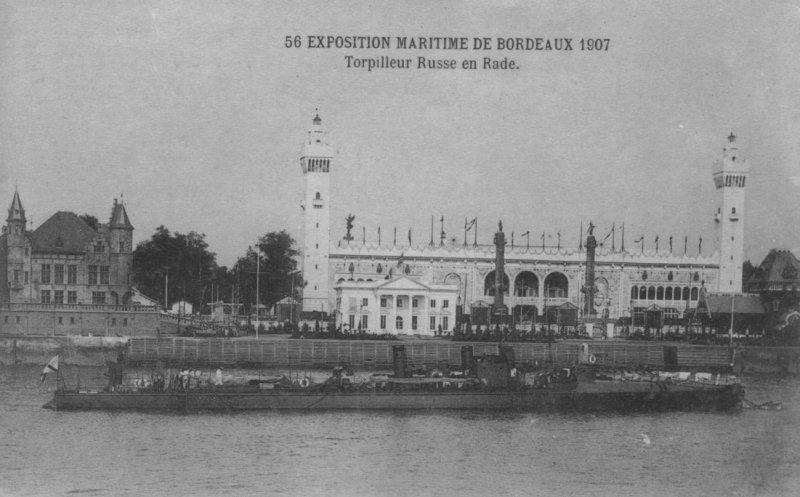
[399, 323]
[399, 303]
[98, 247]
[45, 296]
[72, 297]
[433, 303]
[445, 304]
[93, 275]
[26, 277]
[433, 322]
[16, 276]
[413, 322]
[59, 274]
[45, 273]
[352, 321]
[113, 321]
[71, 320]
[444, 323]
[98, 297]
[414, 304]
[364, 322]
[365, 302]
[58, 297]
[17, 319]
[60, 320]
[104, 275]
[383, 302]
[72, 275]
[124, 321]
[383, 322]
[122, 246]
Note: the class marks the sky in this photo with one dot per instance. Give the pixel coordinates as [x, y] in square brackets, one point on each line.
[195, 113]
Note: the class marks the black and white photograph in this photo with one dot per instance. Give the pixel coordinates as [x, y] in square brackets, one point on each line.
[383, 248]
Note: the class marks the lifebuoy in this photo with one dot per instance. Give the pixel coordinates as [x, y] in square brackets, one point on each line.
[305, 382]
[592, 359]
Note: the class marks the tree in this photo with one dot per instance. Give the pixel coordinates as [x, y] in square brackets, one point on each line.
[90, 220]
[277, 274]
[182, 259]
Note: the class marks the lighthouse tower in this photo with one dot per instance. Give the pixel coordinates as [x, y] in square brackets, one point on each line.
[730, 178]
[316, 161]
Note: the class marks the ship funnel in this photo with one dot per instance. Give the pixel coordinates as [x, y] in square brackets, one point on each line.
[399, 360]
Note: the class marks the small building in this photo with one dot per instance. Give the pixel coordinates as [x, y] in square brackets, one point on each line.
[721, 311]
[288, 309]
[777, 281]
[400, 305]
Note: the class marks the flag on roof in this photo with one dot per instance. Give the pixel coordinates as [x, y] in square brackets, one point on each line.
[51, 366]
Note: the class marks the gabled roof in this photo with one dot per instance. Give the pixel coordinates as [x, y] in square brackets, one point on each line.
[778, 270]
[63, 233]
[402, 283]
[720, 303]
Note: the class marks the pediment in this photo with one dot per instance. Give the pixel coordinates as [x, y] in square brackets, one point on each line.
[403, 283]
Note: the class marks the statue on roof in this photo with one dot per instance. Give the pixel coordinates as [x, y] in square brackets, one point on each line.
[349, 225]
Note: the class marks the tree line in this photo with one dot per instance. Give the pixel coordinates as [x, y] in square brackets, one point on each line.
[172, 267]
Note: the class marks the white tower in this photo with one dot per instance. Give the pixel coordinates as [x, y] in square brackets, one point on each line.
[730, 177]
[316, 160]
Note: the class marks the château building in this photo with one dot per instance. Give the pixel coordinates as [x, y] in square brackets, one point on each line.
[67, 276]
[538, 277]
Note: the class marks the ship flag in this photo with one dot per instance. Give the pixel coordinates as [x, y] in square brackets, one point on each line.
[51, 366]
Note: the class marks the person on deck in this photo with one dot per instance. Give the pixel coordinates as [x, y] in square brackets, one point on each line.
[219, 376]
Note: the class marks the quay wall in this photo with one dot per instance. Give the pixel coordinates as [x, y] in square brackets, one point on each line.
[78, 319]
[295, 353]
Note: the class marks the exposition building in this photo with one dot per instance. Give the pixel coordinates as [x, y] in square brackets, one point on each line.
[358, 282]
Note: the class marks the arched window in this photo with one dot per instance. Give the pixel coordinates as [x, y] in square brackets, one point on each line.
[556, 285]
[526, 284]
[488, 284]
[686, 293]
[694, 293]
[676, 293]
[642, 293]
[651, 293]
[668, 293]
[398, 323]
[634, 292]
[660, 293]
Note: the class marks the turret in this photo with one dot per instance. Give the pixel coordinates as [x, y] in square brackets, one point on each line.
[16, 218]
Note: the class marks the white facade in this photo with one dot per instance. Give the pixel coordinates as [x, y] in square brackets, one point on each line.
[730, 177]
[628, 281]
[398, 306]
[316, 161]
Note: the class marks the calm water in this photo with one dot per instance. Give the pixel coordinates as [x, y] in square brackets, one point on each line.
[380, 453]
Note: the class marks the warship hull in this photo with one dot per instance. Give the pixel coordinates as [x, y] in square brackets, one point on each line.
[591, 398]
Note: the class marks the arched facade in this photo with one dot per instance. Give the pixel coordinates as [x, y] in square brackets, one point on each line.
[556, 285]
[488, 284]
[526, 284]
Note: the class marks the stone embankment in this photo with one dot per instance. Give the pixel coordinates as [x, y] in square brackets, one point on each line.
[73, 349]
